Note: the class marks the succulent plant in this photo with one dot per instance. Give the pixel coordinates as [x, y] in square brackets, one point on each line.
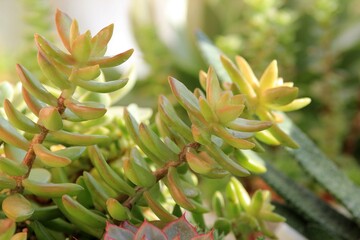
[57, 148]
[178, 229]
[33, 159]
[265, 96]
[73, 165]
[244, 215]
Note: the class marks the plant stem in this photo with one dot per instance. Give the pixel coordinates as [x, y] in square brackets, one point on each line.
[160, 174]
[30, 154]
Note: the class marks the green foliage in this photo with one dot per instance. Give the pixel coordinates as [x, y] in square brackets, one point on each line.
[316, 42]
[319, 168]
[241, 214]
[75, 166]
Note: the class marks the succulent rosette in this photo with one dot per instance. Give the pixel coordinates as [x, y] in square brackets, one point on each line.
[265, 97]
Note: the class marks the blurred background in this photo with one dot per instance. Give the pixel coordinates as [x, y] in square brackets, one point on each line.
[316, 43]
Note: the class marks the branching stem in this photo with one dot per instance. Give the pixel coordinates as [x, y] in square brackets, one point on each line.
[30, 154]
[161, 173]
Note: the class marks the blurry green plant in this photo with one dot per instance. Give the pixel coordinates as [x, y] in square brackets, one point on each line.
[316, 42]
[75, 166]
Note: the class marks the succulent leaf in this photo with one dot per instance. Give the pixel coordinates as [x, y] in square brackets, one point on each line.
[18, 119]
[11, 136]
[74, 218]
[229, 113]
[17, 207]
[115, 232]
[294, 105]
[137, 170]
[86, 73]
[180, 228]
[177, 229]
[7, 228]
[206, 110]
[98, 193]
[72, 153]
[247, 71]
[51, 189]
[213, 89]
[269, 77]
[86, 110]
[58, 78]
[280, 95]
[176, 190]
[133, 129]
[250, 161]
[153, 142]
[7, 183]
[41, 232]
[74, 33]
[169, 116]
[116, 210]
[50, 118]
[6, 92]
[82, 214]
[185, 97]
[63, 23]
[157, 208]
[101, 87]
[49, 158]
[205, 165]
[101, 40]
[51, 51]
[39, 175]
[33, 86]
[246, 125]
[11, 167]
[81, 48]
[237, 77]
[33, 104]
[70, 138]
[149, 231]
[106, 62]
[107, 173]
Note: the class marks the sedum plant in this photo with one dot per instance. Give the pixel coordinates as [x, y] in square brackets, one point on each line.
[75, 166]
[315, 41]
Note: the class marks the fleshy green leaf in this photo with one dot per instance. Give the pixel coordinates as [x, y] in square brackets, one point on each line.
[185, 97]
[7, 228]
[113, 61]
[11, 136]
[63, 23]
[51, 118]
[169, 116]
[101, 39]
[81, 47]
[280, 95]
[17, 207]
[270, 76]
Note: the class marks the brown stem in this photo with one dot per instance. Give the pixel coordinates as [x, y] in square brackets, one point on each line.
[160, 174]
[30, 154]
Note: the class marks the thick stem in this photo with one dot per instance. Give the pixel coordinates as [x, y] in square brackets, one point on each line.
[160, 174]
